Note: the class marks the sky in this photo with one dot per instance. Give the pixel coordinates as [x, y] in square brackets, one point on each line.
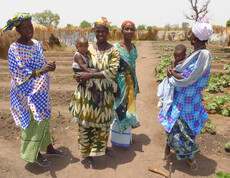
[148, 12]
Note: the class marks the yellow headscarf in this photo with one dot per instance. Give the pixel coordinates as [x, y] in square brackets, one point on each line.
[103, 21]
[16, 20]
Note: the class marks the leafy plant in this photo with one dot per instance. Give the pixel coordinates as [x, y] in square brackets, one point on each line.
[206, 97]
[218, 150]
[222, 175]
[160, 68]
[227, 145]
[227, 67]
[169, 48]
[221, 104]
[209, 127]
[163, 56]
[217, 58]
[59, 113]
[217, 82]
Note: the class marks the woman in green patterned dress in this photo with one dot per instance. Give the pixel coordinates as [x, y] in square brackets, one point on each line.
[94, 121]
[125, 106]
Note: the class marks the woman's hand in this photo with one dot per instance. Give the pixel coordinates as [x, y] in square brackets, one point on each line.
[52, 66]
[83, 77]
[49, 66]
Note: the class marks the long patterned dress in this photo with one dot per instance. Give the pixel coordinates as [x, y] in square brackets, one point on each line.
[125, 106]
[30, 98]
[94, 121]
[187, 116]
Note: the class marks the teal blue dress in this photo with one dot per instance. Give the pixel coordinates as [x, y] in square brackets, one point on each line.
[125, 106]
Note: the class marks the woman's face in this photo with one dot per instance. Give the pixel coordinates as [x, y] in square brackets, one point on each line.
[128, 31]
[26, 30]
[101, 33]
[193, 39]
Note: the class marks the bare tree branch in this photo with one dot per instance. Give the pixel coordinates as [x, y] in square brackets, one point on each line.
[196, 12]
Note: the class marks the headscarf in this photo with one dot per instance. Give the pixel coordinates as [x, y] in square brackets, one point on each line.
[103, 21]
[16, 20]
[127, 21]
[202, 29]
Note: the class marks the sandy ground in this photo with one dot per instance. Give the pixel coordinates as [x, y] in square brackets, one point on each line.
[149, 139]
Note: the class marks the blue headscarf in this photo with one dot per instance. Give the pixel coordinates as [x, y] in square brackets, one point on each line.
[16, 20]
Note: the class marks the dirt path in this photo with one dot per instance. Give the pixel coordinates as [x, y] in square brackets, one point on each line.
[149, 139]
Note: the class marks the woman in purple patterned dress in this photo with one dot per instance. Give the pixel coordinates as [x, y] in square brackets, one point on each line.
[186, 116]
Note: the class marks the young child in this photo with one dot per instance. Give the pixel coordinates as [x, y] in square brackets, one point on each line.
[80, 64]
[179, 57]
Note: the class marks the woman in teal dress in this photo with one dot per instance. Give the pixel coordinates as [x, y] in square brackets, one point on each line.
[125, 106]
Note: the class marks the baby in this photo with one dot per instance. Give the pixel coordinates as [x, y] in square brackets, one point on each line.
[179, 57]
[80, 64]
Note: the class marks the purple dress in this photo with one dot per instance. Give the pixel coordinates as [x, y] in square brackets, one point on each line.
[187, 103]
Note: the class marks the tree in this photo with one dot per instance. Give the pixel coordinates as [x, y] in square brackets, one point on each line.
[69, 25]
[85, 24]
[175, 27]
[196, 11]
[141, 27]
[228, 23]
[112, 27]
[149, 28]
[185, 26]
[167, 27]
[46, 18]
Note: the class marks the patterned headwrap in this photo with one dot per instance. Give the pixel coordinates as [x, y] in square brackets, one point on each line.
[127, 21]
[16, 20]
[103, 21]
[202, 29]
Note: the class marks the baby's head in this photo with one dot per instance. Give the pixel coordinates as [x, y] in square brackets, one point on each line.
[179, 53]
[82, 44]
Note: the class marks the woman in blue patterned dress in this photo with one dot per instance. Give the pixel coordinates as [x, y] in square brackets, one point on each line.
[125, 106]
[29, 91]
[186, 115]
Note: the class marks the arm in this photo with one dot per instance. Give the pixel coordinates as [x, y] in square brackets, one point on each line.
[47, 67]
[78, 59]
[19, 73]
[50, 66]
[110, 73]
[173, 64]
[177, 75]
[83, 77]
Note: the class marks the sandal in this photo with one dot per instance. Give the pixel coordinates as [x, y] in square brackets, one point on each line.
[59, 153]
[167, 158]
[43, 162]
[194, 166]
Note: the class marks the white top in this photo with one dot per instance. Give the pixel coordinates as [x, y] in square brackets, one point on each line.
[76, 65]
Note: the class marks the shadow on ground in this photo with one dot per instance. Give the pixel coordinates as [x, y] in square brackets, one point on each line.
[123, 155]
[58, 163]
[206, 165]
